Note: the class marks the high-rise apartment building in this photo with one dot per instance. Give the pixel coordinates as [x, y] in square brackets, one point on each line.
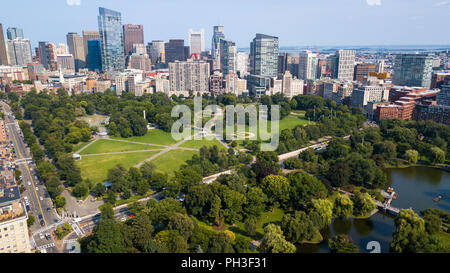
[76, 47]
[197, 41]
[363, 70]
[47, 55]
[132, 34]
[174, 51]
[343, 64]
[19, 51]
[3, 54]
[94, 55]
[217, 35]
[228, 52]
[13, 33]
[364, 94]
[216, 83]
[242, 63]
[264, 55]
[111, 38]
[89, 35]
[156, 50]
[190, 75]
[307, 67]
[413, 70]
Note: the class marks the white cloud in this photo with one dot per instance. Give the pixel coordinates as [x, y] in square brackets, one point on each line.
[373, 2]
[73, 2]
[442, 3]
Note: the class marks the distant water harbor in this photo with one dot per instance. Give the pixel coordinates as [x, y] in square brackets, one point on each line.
[416, 188]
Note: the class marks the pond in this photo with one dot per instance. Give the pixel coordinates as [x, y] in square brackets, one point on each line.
[416, 188]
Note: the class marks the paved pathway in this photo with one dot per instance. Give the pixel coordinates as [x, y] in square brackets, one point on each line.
[89, 144]
[126, 152]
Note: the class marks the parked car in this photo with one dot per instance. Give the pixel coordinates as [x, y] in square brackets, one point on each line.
[42, 223]
[41, 235]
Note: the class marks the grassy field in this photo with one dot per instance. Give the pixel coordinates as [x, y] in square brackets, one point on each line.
[80, 145]
[265, 218]
[197, 144]
[110, 146]
[154, 136]
[96, 167]
[172, 160]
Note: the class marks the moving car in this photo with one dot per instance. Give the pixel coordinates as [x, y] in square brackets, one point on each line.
[40, 198]
[42, 223]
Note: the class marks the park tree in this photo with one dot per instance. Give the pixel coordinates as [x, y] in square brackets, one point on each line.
[437, 155]
[277, 188]
[339, 174]
[80, 190]
[298, 227]
[321, 212]
[173, 241]
[343, 206]
[363, 204]
[232, 206]
[266, 164]
[256, 202]
[412, 156]
[342, 244]
[199, 199]
[147, 169]
[181, 223]
[140, 231]
[100, 189]
[306, 187]
[274, 241]
[107, 238]
[60, 201]
[162, 211]
[250, 226]
[221, 243]
[387, 149]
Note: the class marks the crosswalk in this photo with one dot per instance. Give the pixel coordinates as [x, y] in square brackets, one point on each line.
[70, 241]
[46, 246]
[79, 231]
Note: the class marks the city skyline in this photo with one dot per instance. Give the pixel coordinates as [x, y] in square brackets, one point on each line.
[313, 24]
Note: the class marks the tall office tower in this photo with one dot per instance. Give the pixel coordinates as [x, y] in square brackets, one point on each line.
[13, 222]
[217, 35]
[139, 49]
[94, 55]
[66, 62]
[342, 64]
[111, 38]
[197, 41]
[61, 49]
[264, 55]
[19, 51]
[242, 63]
[413, 70]
[228, 52]
[47, 55]
[76, 48]
[3, 54]
[307, 67]
[189, 76]
[380, 66]
[132, 34]
[13, 33]
[174, 51]
[282, 63]
[363, 70]
[156, 51]
[89, 35]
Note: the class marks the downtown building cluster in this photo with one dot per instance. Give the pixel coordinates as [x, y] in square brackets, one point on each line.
[116, 57]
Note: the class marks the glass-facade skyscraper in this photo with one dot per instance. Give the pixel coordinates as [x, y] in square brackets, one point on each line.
[228, 52]
[413, 70]
[13, 33]
[94, 55]
[218, 34]
[111, 38]
[264, 55]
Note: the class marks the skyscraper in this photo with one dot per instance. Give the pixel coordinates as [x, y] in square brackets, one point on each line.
[174, 51]
[13, 33]
[111, 38]
[228, 52]
[3, 54]
[217, 35]
[307, 67]
[197, 41]
[89, 35]
[242, 63]
[156, 51]
[76, 48]
[132, 34]
[413, 70]
[342, 64]
[264, 55]
[94, 55]
[19, 51]
[47, 55]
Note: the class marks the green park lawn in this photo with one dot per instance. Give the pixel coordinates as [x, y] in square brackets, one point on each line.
[80, 145]
[154, 136]
[111, 146]
[96, 167]
[172, 160]
[197, 144]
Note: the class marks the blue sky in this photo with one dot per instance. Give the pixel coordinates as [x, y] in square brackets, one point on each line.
[295, 22]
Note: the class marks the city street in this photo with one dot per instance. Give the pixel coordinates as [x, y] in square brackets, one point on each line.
[35, 190]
